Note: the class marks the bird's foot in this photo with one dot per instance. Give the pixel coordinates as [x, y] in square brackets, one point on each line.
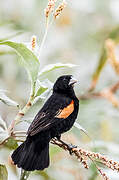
[70, 148]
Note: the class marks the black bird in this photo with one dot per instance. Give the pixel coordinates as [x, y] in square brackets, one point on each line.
[56, 117]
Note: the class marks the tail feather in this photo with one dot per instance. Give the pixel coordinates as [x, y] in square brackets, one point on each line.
[31, 156]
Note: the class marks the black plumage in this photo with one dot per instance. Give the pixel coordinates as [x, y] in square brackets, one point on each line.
[56, 117]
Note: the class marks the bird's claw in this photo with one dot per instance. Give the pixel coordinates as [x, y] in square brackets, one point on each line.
[70, 148]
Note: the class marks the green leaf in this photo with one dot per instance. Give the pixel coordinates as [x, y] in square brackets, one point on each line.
[24, 175]
[6, 100]
[3, 172]
[11, 143]
[41, 88]
[51, 67]
[6, 52]
[29, 60]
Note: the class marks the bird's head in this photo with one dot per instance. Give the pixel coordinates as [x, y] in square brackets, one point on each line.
[64, 84]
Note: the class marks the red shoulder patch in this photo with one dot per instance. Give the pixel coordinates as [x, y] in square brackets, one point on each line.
[64, 113]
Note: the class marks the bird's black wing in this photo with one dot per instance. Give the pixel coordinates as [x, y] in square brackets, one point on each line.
[56, 108]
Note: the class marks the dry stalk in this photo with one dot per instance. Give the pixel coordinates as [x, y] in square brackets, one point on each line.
[83, 156]
[110, 47]
[102, 173]
[100, 170]
[115, 87]
[107, 93]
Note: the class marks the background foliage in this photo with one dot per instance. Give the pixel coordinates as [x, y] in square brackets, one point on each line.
[77, 37]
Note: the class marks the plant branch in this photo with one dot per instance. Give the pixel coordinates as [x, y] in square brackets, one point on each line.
[110, 46]
[100, 171]
[115, 87]
[83, 156]
[43, 41]
[45, 34]
[20, 114]
[107, 93]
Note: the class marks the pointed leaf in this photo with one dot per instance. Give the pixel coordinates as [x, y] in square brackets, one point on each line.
[29, 60]
[3, 172]
[3, 130]
[45, 94]
[78, 126]
[7, 100]
[51, 67]
[41, 88]
[2, 124]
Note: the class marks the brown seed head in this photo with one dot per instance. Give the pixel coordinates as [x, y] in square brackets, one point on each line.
[60, 8]
[33, 42]
[50, 7]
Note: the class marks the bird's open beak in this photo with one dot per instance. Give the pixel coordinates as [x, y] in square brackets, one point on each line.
[73, 81]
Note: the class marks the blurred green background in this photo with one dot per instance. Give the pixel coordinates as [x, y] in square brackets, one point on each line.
[76, 37]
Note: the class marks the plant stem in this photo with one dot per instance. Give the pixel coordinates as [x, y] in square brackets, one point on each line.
[20, 114]
[44, 38]
[45, 35]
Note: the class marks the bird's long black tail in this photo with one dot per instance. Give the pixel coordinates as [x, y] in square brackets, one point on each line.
[32, 155]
